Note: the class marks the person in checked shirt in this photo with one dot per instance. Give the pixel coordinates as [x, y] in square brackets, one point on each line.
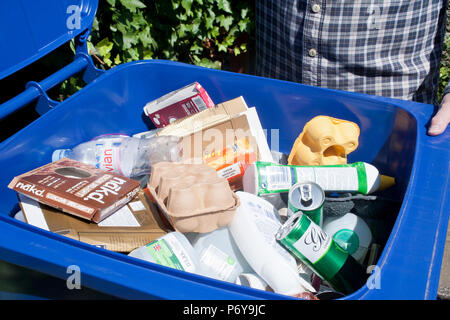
[387, 48]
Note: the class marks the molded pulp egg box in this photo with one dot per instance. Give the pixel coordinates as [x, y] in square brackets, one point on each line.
[393, 138]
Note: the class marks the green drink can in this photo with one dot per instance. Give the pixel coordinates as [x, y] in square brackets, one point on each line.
[307, 197]
[310, 244]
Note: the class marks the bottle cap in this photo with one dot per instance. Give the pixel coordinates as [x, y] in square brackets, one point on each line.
[59, 154]
[386, 182]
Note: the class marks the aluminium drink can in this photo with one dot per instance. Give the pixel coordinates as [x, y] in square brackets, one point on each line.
[314, 247]
[307, 197]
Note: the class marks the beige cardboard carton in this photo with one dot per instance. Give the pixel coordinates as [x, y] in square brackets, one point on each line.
[192, 196]
[228, 137]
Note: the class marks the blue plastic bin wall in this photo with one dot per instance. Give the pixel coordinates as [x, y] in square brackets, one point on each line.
[393, 137]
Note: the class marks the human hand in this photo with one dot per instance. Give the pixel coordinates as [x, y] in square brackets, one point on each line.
[442, 118]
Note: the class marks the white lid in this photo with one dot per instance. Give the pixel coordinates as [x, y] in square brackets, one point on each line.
[373, 178]
[59, 154]
[352, 230]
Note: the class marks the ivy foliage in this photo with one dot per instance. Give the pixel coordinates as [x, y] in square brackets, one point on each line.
[201, 32]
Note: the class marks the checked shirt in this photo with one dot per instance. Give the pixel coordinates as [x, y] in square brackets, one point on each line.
[387, 48]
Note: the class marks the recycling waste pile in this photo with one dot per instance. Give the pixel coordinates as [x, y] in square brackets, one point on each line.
[202, 192]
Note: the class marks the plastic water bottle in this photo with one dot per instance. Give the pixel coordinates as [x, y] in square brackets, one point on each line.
[122, 154]
[219, 252]
[172, 250]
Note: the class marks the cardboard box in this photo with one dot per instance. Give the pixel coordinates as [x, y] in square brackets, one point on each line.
[77, 188]
[178, 104]
[134, 225]
[228, 137]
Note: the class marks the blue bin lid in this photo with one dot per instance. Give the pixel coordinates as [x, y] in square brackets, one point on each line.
[33, 28]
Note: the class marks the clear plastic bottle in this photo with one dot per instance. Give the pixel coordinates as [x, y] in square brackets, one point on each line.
[172, 250]
[127, 156]
[219, 252]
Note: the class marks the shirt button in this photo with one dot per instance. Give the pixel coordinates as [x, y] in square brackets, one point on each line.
[312, 52]
[315, 8]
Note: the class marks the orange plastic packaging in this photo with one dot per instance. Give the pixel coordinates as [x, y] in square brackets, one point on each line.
[232, 161]
[324, 141]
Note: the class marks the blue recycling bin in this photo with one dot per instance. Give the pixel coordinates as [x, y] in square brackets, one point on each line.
[393, 138]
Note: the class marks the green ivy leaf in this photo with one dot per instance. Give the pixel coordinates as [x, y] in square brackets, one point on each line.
[132, 5]
[104, 47]
[187, 4]
[224, 5]
[209, 64]
[225, 21]
[117, 60]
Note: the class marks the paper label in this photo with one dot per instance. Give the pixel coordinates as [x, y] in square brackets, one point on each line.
[230, 171]
[107, 155]
[168, 251]
[313, 244]
[268, 225]
[221, 263]
[343, 179]
[199, 103]
[278, 178]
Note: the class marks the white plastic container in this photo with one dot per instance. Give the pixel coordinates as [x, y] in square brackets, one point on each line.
[351, 233]
[253, 228]
[265, 178]
[218, 252]
[172, 250]
[252, 280]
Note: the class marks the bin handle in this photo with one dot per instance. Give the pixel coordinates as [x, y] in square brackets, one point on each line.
[38, 90]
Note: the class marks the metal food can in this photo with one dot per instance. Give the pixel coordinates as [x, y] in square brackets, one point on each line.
[307, 197]
[314, 247]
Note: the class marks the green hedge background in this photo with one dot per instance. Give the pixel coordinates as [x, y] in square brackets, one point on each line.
[211, 33]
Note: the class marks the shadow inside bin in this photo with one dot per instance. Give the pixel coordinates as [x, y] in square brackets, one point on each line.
[18, 283]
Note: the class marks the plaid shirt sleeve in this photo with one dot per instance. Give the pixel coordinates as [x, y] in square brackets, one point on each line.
[385, 48]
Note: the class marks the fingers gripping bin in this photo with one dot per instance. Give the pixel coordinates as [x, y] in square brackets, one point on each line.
[324, 141]
[192, 196]
[392, 137]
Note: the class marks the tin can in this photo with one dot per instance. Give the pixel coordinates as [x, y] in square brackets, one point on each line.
[309, 243]
[307, 197]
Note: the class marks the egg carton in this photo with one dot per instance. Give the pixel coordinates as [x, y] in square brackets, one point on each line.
[192, 196]
[324, 141]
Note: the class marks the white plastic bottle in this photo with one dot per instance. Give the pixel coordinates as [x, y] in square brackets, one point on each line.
[253, 228]
[127, 156]
[172, 250]
[252, 280]
[219, 252]
[265, 178]
[351, 233]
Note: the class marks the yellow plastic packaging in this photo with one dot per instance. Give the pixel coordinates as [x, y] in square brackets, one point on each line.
[324, 141]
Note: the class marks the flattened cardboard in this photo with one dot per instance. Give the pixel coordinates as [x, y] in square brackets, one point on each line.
[77, 188]
[115, 238]
[214, 131]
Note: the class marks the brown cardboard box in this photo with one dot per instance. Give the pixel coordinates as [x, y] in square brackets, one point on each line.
[134, 225]
[228, 137]
[77, 188]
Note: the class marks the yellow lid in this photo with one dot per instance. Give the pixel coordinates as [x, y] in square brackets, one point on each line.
[386, 182]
